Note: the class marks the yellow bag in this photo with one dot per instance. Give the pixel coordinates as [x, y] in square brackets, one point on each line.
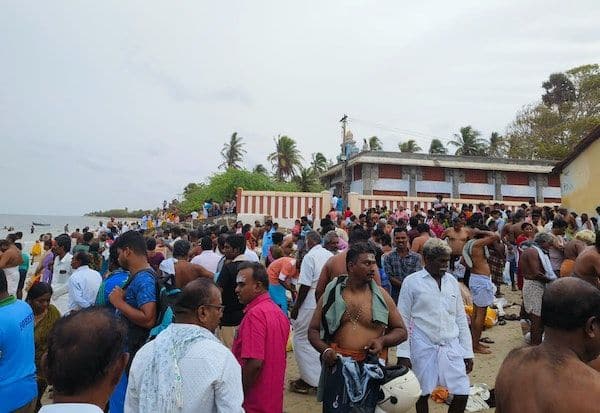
[491, 316]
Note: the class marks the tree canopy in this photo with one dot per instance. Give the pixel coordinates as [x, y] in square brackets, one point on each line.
[375, 144]
[286, 159]
[468, 142]
[410, 146]
[232, 152]
[437, 148]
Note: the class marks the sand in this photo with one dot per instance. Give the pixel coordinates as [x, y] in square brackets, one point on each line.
[485, 368]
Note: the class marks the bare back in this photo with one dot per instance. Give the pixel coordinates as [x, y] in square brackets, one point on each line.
[186, 271]
[531, 266]
[456, 239]
[533, 380]
[587, 266]
[10, 258]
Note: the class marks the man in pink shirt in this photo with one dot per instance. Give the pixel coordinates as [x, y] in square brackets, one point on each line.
[260, 343]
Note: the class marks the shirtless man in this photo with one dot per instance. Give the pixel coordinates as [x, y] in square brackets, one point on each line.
[571, 251]
[336, 265]
[456, 237]
[421, 239]
[531, 264]
[10, 259]
[587, 264]
[357, 329]
[480, 282]
[572, 331]
[185, 271]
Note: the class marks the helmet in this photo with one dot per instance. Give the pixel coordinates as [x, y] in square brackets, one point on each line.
[399, 392]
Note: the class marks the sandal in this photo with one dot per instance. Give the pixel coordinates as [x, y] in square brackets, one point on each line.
[486, 340]
[501, 322]
[297, 387]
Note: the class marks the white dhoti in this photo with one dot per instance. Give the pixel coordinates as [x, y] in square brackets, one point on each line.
[438, 364]
[307, 357]
[60, 297]
[12, 279]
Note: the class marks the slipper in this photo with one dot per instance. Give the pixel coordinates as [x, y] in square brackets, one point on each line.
[295, 387]
[501, 322]
[486, 340]
[511, 317]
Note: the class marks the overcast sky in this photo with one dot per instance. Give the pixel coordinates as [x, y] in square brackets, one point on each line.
[107, 104]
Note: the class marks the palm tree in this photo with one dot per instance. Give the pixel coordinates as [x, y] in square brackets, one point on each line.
[375, 144]
[286, 158]
[497, 147]
[410, 146]
[319, 163]
[468, 142]
[232, 152]
[305, 179]
[437, 148]
[260, 169]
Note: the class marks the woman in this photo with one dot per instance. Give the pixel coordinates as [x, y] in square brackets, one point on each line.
[44, 270]
[45, 315]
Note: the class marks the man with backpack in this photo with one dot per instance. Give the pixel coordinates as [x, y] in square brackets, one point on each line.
[136, 302]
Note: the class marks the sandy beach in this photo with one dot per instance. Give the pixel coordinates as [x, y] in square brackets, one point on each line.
[486, 367]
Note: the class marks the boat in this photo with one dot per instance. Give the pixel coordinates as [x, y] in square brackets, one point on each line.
[38, 224]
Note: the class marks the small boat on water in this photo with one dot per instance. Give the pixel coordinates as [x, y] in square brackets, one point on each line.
[38, 224]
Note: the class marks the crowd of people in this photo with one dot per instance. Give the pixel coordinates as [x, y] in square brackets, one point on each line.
[138, 318]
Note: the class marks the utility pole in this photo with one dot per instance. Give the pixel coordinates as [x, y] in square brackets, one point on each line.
[344, 157]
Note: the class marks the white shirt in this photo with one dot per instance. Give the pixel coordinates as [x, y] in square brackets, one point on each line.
[211, 378]
[83, 287]
[208, 259]
[251, 255]
[71, 408]
[194, 215]
[60, 274]
[310, 270]
[438, 313]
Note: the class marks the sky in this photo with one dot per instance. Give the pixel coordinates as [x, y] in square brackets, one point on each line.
[111, 104]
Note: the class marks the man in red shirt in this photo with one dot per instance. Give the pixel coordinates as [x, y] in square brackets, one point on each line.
[260, 343]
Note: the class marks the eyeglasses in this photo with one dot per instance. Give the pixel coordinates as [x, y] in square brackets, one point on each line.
[218, 307]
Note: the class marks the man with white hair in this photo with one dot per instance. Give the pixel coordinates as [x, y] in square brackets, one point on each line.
[439, 349]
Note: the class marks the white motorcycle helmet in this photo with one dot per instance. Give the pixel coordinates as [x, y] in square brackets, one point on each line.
[399, 392]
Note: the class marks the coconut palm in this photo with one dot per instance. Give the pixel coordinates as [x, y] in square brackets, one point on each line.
[306, 179]
[468, 142]
[437, 148]
[260, 169]
[497, 147]
[232, 152]
[319, 163]
[410, 146]
[375, 144]
[286, 158]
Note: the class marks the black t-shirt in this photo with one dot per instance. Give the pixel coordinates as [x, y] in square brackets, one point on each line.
[234, 310]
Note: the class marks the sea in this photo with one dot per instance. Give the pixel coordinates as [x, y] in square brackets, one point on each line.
[54, 224]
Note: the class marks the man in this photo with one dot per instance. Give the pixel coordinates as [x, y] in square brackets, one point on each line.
[187, 355]
[401, 262]
[456, 237]
[528, 375]
[267, 239]
[83, 283]
[475, 254]
[233, 250]
[18, 388]
[207, 258]
[497, 259]
[83, 244]
[135, 302]
[85, 360]
[260, 345]
[361, 319]
[10, 259]
[421, 239]
[336, 265]
[536, 268]
[556, 250]
[331, 242]
[180, 268]
[587, 264]
[61, 272]
[306, 356]
[439, 349]
[283, 275]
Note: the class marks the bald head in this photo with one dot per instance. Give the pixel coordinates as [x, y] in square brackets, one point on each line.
[568, 303]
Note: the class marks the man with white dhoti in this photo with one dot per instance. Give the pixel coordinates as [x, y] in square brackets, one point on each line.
[307, 357]
[61, 272]
[439, 349]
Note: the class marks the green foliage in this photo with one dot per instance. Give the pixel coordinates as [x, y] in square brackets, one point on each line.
[122, 213]
[307, 180]
[286, 159]
[468, 142]
[319, 162]
[497, 146]
[232, 152]
[410, 146]
[375, 144]
[437, 148]
[569, 110]
[260, 168]
[222, 186]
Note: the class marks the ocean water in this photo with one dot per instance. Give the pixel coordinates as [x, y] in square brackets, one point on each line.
[56, 225]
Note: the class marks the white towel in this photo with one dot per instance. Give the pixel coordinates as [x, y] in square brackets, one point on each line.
[168, 266]
[545, 263]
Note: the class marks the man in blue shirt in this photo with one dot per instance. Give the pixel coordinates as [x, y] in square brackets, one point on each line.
[18, 388]
[267, 240]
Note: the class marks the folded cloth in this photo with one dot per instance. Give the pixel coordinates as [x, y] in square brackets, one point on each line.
[546, 264]
[468, 252]
[357, 377]
[168, 266]
[334, 306]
